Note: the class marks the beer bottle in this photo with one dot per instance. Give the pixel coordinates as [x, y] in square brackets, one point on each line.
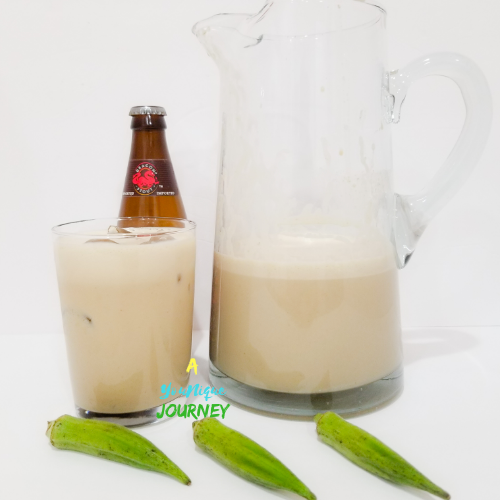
[150, 187]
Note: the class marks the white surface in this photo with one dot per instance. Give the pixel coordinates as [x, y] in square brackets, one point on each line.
[445, 424]
[71, 70]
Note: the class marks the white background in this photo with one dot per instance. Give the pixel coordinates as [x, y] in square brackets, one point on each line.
[70, 71]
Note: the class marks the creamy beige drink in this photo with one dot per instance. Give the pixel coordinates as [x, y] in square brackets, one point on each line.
[127, 310]
[306, 327]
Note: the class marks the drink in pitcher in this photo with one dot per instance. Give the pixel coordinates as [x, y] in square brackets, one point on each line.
[306, 328]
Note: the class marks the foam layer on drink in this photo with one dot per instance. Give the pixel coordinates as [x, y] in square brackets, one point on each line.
[339, 262]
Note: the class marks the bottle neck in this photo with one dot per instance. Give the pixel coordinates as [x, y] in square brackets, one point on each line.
[148, 138]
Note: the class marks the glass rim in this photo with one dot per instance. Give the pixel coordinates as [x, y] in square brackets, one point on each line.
[382, 13]
[59, 228]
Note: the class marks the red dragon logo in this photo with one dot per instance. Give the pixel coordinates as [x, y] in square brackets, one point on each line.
[145, 179]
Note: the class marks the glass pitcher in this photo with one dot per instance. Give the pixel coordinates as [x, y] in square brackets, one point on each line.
[309, 232]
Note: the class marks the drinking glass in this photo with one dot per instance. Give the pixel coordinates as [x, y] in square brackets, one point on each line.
[126, 287]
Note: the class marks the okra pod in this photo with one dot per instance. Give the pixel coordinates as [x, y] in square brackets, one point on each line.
[245, 457]
[112, 442]
[369, 453]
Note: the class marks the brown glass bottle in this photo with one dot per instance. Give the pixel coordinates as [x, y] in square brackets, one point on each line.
[150, 186]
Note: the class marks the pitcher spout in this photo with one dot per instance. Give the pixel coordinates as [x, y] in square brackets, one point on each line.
[282, 18]
[220, 35]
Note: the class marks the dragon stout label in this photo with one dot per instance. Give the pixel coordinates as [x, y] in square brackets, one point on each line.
[150, 188]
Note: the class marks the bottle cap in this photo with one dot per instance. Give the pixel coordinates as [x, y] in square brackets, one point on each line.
[147, 110]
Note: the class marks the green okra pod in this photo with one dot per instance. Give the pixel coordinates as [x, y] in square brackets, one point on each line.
[369, 453]
[245, 457]
[112, 442]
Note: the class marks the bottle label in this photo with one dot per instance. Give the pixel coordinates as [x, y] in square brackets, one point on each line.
[150, 178]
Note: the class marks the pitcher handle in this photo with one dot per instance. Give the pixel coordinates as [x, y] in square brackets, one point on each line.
[414, 212]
